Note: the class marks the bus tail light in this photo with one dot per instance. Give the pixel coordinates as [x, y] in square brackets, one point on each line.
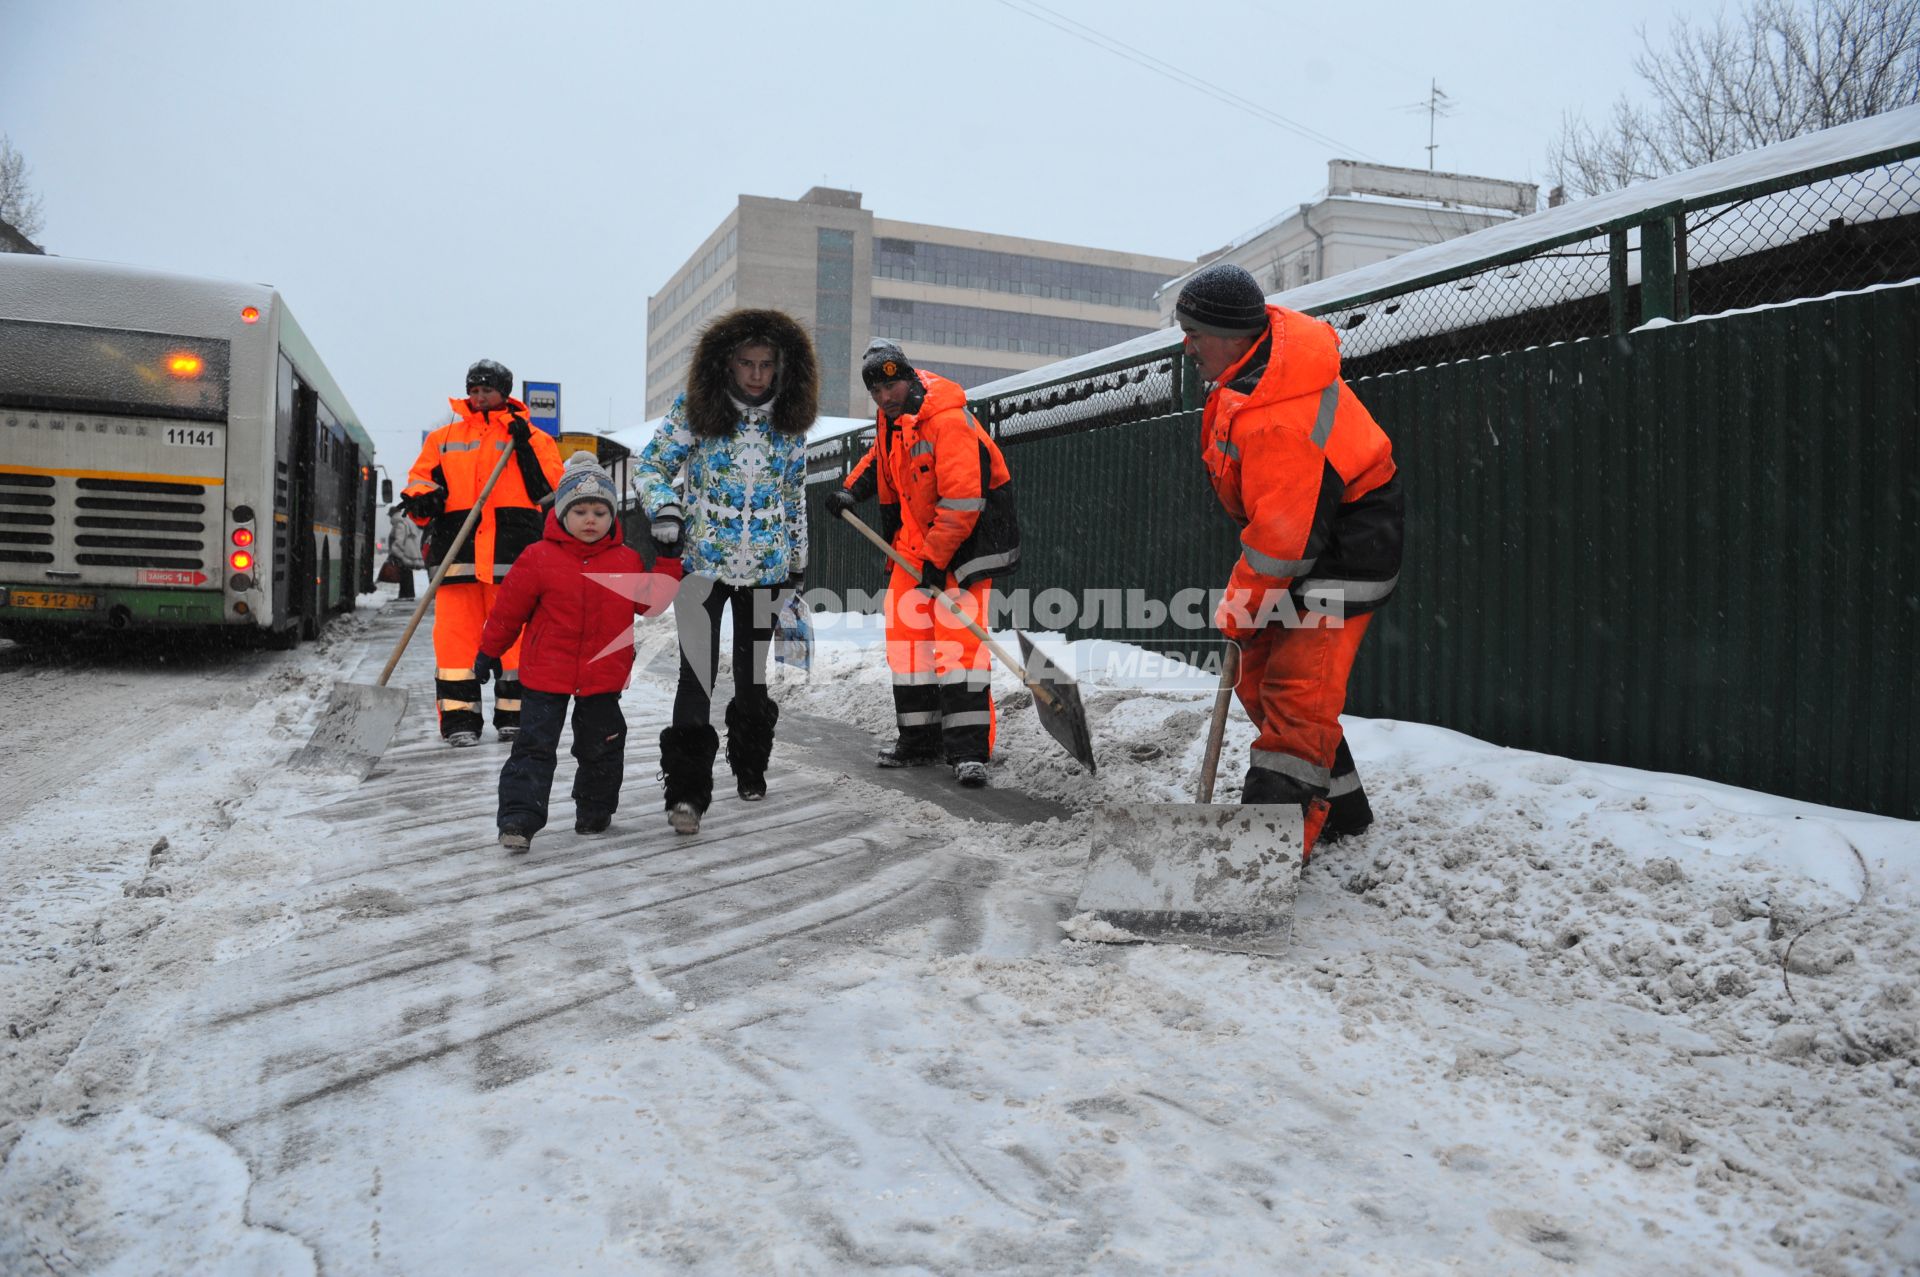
[243, 536]
[240, 560]
[249, 314]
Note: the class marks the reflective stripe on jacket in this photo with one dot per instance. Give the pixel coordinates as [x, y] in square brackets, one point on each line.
[948, 482]
[456, 459]
[1308, 474]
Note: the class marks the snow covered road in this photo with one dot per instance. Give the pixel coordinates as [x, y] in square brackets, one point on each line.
[1542, 1018]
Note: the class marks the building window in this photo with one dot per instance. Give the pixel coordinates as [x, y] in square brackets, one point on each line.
[965, 375]
[939, 324]
[1019, 273]
[699, 273]
[833, 313]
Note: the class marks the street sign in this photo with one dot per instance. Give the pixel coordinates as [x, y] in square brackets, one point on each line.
[543, 404]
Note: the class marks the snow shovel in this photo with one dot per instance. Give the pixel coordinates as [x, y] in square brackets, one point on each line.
[359, 720]
[1056, 697]
[1219, 874]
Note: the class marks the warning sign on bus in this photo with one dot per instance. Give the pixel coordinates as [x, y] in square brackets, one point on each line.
[170, 576]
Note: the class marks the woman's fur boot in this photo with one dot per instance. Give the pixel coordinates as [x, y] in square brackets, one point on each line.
[750, 743]
[686, 756]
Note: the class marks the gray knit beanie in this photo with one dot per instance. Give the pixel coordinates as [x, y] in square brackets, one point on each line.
[1223, 300]
[583, 480]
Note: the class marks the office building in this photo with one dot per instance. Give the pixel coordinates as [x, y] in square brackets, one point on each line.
[969, 305]
[1368, 213]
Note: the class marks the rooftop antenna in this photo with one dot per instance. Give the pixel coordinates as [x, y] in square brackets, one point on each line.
[1437, 106]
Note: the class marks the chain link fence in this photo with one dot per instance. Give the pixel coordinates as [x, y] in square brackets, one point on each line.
[1806, 235]
[1147, 389]
[1839, 235]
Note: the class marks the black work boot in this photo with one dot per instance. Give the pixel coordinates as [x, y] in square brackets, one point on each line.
[750, 744]
[686, 757]
[1265, 786]
[1348, 813]
[915, 747]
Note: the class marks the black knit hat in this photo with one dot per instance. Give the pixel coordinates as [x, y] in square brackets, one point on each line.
[1222, 299]
[884, 361]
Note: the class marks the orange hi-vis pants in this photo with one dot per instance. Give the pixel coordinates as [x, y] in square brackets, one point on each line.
[459, 614]
[942, 672]
[1293, 683]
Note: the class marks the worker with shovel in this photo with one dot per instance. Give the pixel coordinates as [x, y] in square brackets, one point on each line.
[1309, 476]
[946, 501]
[447, 480]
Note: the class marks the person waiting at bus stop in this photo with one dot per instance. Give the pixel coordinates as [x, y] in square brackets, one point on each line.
[1309, 476]
[946, 503]
[445, 482]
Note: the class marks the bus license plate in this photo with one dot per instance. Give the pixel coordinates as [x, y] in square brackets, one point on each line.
[50, 599]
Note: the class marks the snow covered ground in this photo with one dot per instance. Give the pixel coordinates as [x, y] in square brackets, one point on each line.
[1544, 1016]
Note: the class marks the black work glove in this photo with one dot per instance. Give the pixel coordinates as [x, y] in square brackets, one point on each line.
[427, 505]
[520, 430]
[486, 667]
[840, 503]
[933, 577]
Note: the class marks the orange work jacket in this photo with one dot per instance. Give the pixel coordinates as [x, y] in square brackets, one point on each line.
[456, 459]
[947, 480]
[1301, 465]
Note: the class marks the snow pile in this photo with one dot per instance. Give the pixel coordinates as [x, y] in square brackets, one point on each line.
[1543, 1016]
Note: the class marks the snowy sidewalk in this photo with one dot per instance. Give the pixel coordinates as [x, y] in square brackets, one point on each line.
[1535, 1021]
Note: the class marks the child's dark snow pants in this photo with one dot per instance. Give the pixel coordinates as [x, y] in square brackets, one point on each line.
[599, 745]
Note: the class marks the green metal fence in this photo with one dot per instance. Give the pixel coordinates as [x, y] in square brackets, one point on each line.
[1694, 549]
[1683, 546]
[1691, 548]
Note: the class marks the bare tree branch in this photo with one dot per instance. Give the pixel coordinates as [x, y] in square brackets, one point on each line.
[19, 206]
[1779, 69]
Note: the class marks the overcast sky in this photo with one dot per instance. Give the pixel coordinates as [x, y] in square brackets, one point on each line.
[428, 184]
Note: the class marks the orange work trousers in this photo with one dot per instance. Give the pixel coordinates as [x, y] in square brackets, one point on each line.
[459, 615]
[942, 672]
[1293, 684]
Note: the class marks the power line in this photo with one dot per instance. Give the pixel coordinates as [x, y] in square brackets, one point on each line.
[1119, 48]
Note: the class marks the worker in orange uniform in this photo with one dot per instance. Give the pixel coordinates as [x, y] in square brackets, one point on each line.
[442, 487]
[1309, 476]
[946, 503]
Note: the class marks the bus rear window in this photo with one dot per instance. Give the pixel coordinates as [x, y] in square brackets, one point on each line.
[67, 367]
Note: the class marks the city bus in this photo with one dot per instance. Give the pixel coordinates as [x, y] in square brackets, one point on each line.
[173, 455]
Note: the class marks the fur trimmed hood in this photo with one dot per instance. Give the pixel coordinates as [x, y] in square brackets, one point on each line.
[710, 410]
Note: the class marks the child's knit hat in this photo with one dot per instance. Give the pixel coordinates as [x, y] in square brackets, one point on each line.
[583, 480]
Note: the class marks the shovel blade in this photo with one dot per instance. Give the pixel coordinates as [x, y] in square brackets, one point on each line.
[353, 731]
[1219, 873]
[1066, 719]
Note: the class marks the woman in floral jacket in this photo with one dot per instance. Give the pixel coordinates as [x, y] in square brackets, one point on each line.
[724, 481]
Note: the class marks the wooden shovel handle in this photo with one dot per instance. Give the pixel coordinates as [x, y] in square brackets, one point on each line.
[446, 561]
[1042, 694]
[1217, 726]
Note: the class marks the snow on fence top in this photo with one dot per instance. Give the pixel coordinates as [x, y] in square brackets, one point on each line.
[1774, 199]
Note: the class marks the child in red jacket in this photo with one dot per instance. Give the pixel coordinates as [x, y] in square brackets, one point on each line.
[575, 593]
